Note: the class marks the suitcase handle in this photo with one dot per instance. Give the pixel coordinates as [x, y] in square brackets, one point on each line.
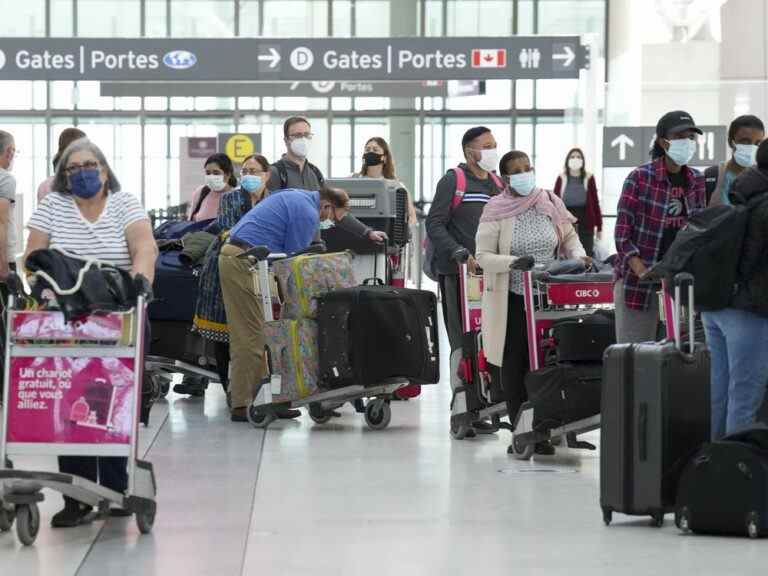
[642, 432]
[680, 280]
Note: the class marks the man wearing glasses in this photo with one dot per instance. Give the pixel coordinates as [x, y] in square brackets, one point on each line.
[7, 200]
[294, 171]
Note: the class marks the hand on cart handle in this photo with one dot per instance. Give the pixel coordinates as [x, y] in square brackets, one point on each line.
[461, 255]
[143, 286]
[523, 263]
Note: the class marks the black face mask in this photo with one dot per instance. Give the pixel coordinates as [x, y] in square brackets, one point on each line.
[373, 159]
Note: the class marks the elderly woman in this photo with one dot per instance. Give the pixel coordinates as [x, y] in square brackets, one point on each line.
[210, 317]
[523, 226]
[88, 215]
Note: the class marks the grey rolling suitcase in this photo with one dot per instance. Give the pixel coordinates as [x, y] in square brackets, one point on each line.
[655, 415]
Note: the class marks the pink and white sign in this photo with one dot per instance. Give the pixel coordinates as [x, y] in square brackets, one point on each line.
[71, 400]
[50, 327]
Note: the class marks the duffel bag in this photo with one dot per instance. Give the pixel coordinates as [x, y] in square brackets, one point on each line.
[564, 393]
[584, 339]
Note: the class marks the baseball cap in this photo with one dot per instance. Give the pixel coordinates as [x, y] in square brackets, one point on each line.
[676, 121]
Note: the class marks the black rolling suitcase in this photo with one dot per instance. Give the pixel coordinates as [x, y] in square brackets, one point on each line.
[655, 415]
[724, 487]
[368, 334]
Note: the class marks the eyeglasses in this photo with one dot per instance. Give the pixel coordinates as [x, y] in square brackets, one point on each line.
[307, 135]
[251, 172]
[73, 168]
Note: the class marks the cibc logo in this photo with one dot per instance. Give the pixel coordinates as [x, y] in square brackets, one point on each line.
[180, 60]
[594, 293]
[2, 59]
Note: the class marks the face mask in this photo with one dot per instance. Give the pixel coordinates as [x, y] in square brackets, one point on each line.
[85, 183]
[373, 159]
[215, 182]
[251, 182]
[575, 164]
[489, 159]
[523, 183]
[681, 151]
[745, 155]
[327, 224]
[300, 147]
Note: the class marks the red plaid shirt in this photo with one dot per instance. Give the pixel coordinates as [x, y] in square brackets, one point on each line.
[643, 214]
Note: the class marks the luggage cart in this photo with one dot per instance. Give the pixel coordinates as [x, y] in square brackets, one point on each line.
[72, 389]
[321, 406]
[547, 300]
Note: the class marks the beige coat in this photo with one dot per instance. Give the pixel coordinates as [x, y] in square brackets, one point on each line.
[494, 242]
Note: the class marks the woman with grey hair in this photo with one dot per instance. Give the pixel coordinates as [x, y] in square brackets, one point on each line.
[88, 215]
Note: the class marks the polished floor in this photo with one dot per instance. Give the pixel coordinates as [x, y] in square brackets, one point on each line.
[303, 499]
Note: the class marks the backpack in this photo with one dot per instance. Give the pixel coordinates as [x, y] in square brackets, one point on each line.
[708, 247]
[282, 173]
[177, 229]
[461, 186]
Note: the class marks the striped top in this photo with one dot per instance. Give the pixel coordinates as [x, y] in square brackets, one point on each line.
[59, 217]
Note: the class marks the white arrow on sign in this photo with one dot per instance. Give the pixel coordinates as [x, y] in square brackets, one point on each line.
[273, 57]
[622, 141]
[567, 56]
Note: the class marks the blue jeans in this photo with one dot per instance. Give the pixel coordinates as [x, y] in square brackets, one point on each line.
[738, 346]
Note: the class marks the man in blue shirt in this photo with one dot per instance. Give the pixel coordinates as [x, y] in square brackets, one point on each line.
[285, 223]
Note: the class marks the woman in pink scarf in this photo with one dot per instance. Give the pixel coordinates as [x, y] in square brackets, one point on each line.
[520, 227]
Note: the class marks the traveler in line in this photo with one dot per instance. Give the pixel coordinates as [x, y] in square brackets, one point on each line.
[67, 136]
[523, 226]
[295, 171]
[744, 135]
[578, 189]
[655, 203]
[210, 319]
[286, 223]
[88, 215]
[7, 203]
[378, 162]
[738, 336]
[219, 179]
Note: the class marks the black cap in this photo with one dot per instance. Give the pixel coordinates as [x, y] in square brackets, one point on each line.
[676, 121]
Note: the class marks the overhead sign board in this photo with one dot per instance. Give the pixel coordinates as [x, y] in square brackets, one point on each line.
[239, 146]
[628, 146]
[300, 89]
[291, 59]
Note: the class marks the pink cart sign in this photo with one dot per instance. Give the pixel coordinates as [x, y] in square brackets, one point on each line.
[50, 327]
[71, 400]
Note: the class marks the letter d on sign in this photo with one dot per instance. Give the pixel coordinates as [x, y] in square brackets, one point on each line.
[302, 58]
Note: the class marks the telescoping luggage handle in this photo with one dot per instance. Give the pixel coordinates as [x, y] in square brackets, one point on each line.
[680, 280]
[375, 280]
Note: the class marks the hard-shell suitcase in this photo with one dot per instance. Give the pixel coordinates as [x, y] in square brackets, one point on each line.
[655, 415]
[724, 487]
[293, 356]
[369, 334]
[303, 278]
[584, 339]
[564, 393]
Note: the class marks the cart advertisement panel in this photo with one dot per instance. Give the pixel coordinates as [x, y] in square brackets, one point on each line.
[71, 400]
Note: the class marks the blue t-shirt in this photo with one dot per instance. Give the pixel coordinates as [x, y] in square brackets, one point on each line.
[285, 222]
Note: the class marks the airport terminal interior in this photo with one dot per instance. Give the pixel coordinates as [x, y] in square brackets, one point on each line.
[159, 86]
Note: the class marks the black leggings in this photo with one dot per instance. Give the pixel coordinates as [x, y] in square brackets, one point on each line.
[515, 360]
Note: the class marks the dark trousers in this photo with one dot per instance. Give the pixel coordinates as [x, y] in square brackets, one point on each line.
[111, 472]
[221, 354]
[449, 292]
[515, 361]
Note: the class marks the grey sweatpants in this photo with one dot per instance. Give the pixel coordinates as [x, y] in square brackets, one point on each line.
[634, 326]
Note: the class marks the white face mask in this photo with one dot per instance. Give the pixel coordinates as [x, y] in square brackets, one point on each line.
[215, 182]
[300, 147]
[575, 163]
[489, 159]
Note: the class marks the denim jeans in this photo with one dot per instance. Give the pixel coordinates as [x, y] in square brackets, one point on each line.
[738, 346]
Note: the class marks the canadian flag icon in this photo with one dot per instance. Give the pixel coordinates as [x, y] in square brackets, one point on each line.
[489, 58]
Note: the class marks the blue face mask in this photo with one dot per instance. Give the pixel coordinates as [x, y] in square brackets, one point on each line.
[681, 151]
[85, 183]
[745, 155]
[522, 183]
[251, 182]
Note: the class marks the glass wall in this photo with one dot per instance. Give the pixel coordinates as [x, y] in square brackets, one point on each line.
[141, 135]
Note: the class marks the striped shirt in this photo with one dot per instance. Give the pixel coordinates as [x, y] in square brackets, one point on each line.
[59, 217]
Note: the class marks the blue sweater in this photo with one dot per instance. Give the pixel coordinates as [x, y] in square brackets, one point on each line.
[285, 222]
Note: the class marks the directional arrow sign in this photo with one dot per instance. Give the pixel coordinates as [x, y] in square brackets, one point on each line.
[622, 141]
[567, 56]
[273, 57]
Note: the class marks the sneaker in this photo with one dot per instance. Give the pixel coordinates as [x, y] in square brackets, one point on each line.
[288, 414]
[195, 390]
[484, 427]
[118, 512]
[544, 449]
[239, 415]
[73, 514]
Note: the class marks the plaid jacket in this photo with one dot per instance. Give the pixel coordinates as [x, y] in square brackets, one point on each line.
[641, 219]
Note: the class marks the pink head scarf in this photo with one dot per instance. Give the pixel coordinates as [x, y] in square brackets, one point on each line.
[507, 205]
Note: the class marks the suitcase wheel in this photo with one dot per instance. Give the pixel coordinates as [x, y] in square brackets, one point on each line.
[460, 429]
[753, 525]
[658, 519]
[683, 519]
[378, 414]
[520, 450]
[259, 419]
[607, 516]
